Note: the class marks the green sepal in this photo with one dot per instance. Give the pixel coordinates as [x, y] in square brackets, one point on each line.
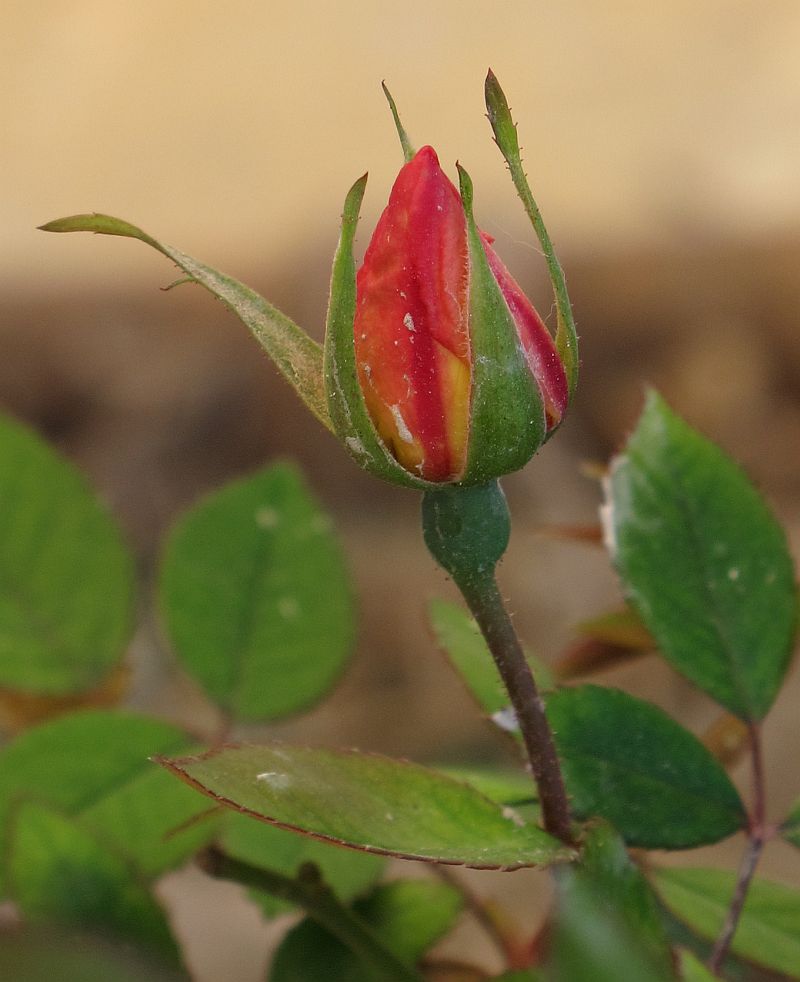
[297, 356]
[507, 418]
[505, 135]
[352, 423]
[405, 143]
[466, 529]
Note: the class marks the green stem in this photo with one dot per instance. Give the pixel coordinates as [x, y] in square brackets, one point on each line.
[467, 531]
[309, 891]
[757, 835]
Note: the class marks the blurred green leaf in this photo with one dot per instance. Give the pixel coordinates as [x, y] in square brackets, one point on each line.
[595, 941]
[769, 929]
[703, 561]
[520, 975]
[94, 767]
[372, 803]
[35, 954]
[692, 969]
[791, 827]
[620, 885]
[256, 597]
[499, 784]
[347, 872]
[620, 627]
[458, 636]
[629, 762]
[60, 874]
[66, 578]
[297, 356]
[408, 916]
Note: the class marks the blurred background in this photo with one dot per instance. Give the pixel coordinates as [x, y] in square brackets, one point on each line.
[663, 144]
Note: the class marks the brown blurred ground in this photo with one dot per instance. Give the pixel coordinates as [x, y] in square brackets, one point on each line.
[663, 148]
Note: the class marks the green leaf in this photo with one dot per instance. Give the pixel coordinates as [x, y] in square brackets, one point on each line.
[250, 841]
[460, 639]
[499, 784]
[34, 954]
[408, 916]
[370, 803]
[256, 598]
[703, 561]
[66, 579]
[596, 942]
[790, 830]
[627, 761]
[61, 874]
[620, 886]
[297, 356]
[505, 135]
[769, 929]
[94, 767]
[692, 969]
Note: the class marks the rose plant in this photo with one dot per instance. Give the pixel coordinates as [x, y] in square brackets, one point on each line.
[436, 374]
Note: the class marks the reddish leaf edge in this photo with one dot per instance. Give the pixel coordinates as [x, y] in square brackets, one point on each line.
[175, 764]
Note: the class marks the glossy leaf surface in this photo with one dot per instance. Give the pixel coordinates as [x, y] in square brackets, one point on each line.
[629, 762]
[370, 803]
[703, 561]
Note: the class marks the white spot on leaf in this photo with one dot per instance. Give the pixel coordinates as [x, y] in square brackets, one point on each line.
[288, 608]
[267, 518]
[512, 816]
[275, 780]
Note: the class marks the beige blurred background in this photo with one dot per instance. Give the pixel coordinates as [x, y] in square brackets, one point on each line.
[663, 143]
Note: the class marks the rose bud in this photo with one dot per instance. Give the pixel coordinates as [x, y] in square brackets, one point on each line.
[438, 367]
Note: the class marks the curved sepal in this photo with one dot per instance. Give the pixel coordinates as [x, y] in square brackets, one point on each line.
[507, 413]
[405, 143]
[351, 421]
[297, 356]
[505, 135]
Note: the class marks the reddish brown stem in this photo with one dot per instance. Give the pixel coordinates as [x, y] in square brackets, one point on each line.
[757, 834]
[484, 600]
